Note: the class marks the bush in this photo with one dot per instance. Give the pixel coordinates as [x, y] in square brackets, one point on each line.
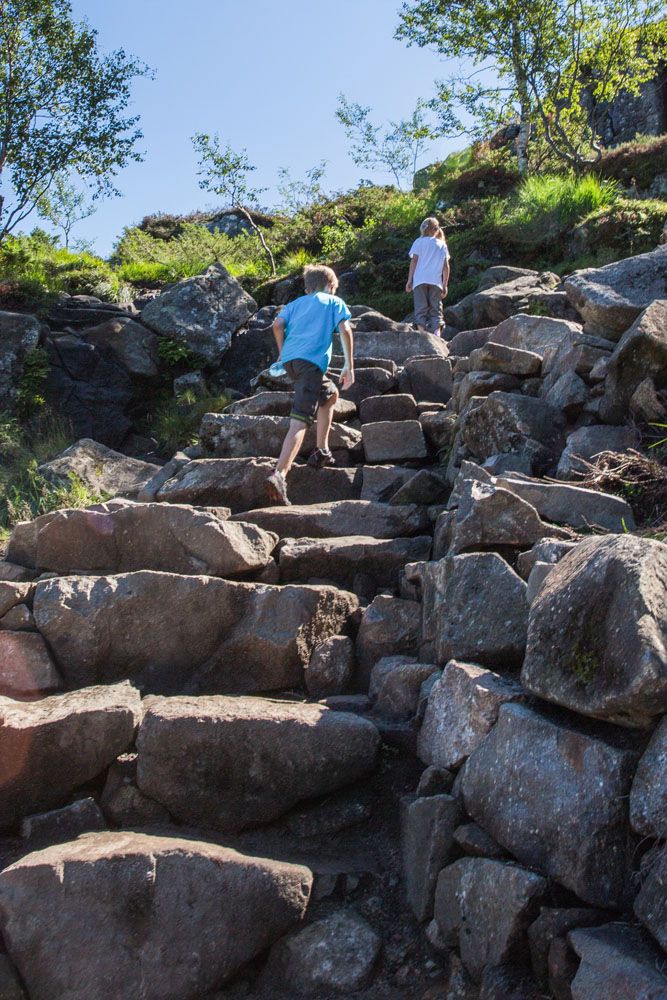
[639, 161]
[36, 266]
[175, 421]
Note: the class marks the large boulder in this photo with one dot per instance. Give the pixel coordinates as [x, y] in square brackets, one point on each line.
[129, 343]
[610, 298]
[597, 632]
[462, 709]
[240, 483]
[394, 441]
[480, 612]
[504, 421]
[556, 799]
[491, 517]
[349, 517]
[575, 506]
[648, 798]
[427, 838]
[18, 336]
[233, 435]
[52, 746]
[90, 389]
[371, 381]
[202, 313]
[641, 353]
[618, 962]
[231, 763]
[168, 537]
[651, 902]
[186, 633]
[100, 469]
[495, 357]
[341, 559]
[428, 379]
[398, 346]
[588, 442]
[524, 294]
[26, 666]
[536, 333]
[164, 917]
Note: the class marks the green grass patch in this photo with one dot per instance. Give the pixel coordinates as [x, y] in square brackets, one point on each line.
[174, 422]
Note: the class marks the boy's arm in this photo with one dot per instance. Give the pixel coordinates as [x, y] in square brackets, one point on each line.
[411, 272]
[279, 332]
[347, 341]
[445, 278]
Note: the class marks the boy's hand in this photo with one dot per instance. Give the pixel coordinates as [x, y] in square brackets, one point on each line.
[347, 377]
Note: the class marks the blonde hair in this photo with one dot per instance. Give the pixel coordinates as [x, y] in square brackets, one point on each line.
[431, 227]
[319, 278]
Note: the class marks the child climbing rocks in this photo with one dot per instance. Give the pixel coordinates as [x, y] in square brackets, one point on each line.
[304, 332]
[429, 275]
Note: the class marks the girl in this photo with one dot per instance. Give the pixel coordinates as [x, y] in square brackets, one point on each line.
[429, 275]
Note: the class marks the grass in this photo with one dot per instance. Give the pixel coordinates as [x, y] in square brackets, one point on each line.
[174, 422]
[24, 492]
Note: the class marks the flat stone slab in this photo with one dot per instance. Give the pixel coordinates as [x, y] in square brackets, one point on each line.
[231, 435]
[348, 517]
[341, 559]
[394, 441]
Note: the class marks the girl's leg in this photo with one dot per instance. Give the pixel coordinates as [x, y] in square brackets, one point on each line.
[420, 294]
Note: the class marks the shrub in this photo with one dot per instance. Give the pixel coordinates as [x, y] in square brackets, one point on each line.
[175, 421]
[639, 161]
[36, 264]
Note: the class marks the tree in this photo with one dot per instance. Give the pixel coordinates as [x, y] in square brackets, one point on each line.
[548, 65]
[395, 148]
[297, 195]
[225, 173]
[63, 106]
[64, 206]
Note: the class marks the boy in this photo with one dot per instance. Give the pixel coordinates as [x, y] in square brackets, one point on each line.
[304, 334]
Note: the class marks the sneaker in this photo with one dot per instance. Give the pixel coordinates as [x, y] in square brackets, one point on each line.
[276, 487]
[321, 457]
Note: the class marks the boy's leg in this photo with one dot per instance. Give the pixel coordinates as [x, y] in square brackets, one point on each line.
[304, 405]
[327, 401]
[291, 445]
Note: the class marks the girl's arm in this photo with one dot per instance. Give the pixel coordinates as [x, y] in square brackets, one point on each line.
[445, 278]
[411, 272]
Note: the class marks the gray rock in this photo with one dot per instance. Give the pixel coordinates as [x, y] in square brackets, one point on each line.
[648, 797]
[587, 443]
[508, 982]
[493, 903]
[232, 763]
[611, 298]
[434, 781]
[547, 550]
[555, 798]
[395, 686]
[340, 559]
[121, 801]
[646, 405]
[398, 346]
[206, 634]
[439, 430]
[476, 383]
[10, 985]
[551, 925]
[396, 406]
[344, 518]
[494, 357]
[575, 506]
[641, 353]
[491, 517]
[475, 841]
[568, 393]
[51, 746]
[430, 379]
[12, 594]
[202, 313]
[130, 344]
[166, 537]
[618, 962]
[500, 274]
[369, 382]
[427, 832]
[493, 305]
[100, 469]
[503, 421]
[155, 902]
[380, 482]
[597, 632]
[425, 487]
[536, 579]
[336, 955]
[393, 441]
[26, 666]
[19, 335]
[463, 343]
[18, 619]
[651, 902]
[235, 435]
[536, 333]
[462, 709]
[390, 626]
[58, 825]
[331, 667]
[480, 611]
[240, 483]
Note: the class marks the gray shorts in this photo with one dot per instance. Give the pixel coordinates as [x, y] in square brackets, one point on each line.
[311, 388]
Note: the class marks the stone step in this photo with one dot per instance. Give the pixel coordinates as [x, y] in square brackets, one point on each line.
[229, 435]
[344, 518]
[398, 346]
[344, 560]
[172, 634]
[279, 404]
[394, 441]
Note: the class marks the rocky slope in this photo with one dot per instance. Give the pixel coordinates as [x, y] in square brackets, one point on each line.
[403, 739]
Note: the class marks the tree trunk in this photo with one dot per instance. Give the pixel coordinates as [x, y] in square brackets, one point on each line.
[260, 234]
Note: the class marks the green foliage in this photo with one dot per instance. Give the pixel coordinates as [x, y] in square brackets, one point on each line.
[175, 355]
[585, 665]
[175, 421]
[24, 493]
[36, 263]
[394, 149]
[36, 369]
[64, 105]
[637, 162]
[628, 226]
[64, 205]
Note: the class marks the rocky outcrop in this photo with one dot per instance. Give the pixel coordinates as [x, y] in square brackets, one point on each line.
[18, 336]
[100, 469]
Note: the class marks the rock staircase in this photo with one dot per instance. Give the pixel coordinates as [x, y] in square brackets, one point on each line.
[398, 740]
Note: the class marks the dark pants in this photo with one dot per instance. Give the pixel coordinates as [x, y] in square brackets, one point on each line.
[428, 307]
[311, 388]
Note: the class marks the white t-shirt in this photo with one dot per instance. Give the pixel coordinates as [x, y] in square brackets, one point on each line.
[432, 254]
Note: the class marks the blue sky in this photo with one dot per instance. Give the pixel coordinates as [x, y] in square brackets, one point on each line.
[265, 75]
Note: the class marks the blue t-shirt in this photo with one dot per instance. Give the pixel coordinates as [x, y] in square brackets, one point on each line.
[310, 322]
